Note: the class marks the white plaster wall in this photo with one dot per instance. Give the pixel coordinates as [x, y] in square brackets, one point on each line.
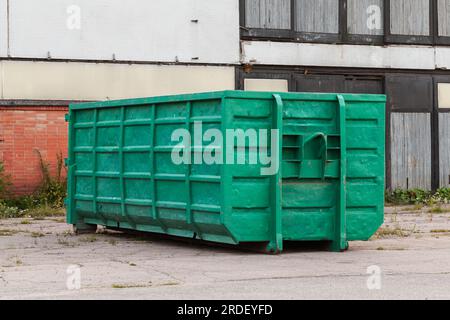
[3, 29]
[132, 30]
[358, 56]
[443, 58]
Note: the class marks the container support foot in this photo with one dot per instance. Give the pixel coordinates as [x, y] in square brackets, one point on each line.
[84, 228]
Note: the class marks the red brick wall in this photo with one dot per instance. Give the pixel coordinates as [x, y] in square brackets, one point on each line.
[23, 130]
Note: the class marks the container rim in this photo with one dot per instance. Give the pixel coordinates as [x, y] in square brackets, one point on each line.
[306, 96]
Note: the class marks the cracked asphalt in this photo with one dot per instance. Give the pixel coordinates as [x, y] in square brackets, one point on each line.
[42, 259]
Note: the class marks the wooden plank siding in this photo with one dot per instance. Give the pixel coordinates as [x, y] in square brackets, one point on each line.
[318, 16]
[444, 149]
[411, 150]
[444, 18]
[418, 116]
[268, 14]
[410, 17]
[361, 14]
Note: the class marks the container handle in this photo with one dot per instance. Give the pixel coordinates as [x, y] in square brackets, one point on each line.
[322, 151]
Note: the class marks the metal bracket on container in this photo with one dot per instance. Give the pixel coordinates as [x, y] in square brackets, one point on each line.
[276, 243]
[322, 151]
[340, 242]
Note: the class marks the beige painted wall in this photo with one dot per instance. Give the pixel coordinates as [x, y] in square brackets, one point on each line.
[278, 85]
[444, 95]
[91, 81]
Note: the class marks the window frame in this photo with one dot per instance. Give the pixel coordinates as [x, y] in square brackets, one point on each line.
[290, 34]
[438, 80]
[263, 73]
[361, 38]
[439, 40]
[409, 39]
[343, 36]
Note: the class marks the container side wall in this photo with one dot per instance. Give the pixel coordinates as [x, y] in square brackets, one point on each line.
[124, 174]
[310, 190]
[310, 167]
[249, 192]
[365, 168]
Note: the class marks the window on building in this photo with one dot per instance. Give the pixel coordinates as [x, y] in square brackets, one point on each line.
[444, 95]
[365, 18]
[348, 21]
[410, 17]
[268, 14]
[443, 7]
[317, 16]
[276, 85]
[400, 88]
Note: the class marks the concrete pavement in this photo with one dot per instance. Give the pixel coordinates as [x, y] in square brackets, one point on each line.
[41, 259]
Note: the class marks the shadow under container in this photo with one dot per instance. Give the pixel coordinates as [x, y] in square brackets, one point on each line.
[329, 186]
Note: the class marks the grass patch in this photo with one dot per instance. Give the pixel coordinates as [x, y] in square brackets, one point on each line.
[46, 201]
[37, 234]
[63, 242]
[45, 212]
[131, 285]
[417, 197]
[437, 209]
[407, 197]
[37, 213]
[128, 286]
[66, 243]
[9, 211]
[416, 207]
[390, 249]
[170, 283]
[5, 182]
[394, 217]
[25, 222]
[90, 238]
[7, 232]
[440, 231]
[388, 232]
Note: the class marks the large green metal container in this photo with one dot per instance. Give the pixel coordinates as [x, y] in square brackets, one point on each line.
[330, 185]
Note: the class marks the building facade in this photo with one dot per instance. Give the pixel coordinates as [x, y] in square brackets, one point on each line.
[56, 51]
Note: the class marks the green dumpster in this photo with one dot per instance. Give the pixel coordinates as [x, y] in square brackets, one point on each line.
[231, 167]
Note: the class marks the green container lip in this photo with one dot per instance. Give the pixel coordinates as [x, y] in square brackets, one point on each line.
[228, 94]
